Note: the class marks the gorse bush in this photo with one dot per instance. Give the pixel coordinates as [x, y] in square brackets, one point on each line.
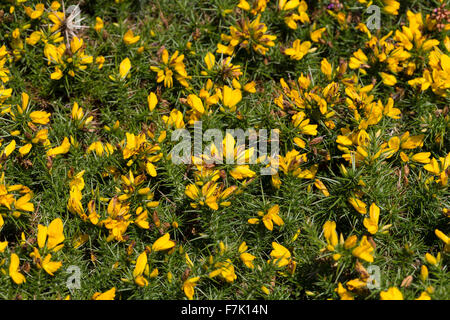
[343, 193]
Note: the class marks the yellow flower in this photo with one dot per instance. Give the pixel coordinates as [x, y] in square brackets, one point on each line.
[246, 257]
[444, 238]
[391, 7]
[298, 50]
[242, 172]
[424, 296]
[391, 294]
[225, 270]
[25, 149]
[244, 5]
[424, 272]
[302, 124]
[281, 255]
[163, 243]
[62, 149]
[33, 38]
[195, 103]
[390, 111]
[99, 149]
[371, 223]
[141, 265]
[247, 33]
[141, 281]
[359, 206]
[23, 203]
[74, 204]
[50, 266]
[152, 101]
[288, 5]
[100, 60]
[364, 250]
[210, 194]
[57, 74]
[189, 285]
[250, 87]
[107, 295]
[321, 186]
[40, 117]
[16, 33]
[37, 13]
[302, 9]
[272, 217]
[388, 79]
[358, 59]
[210, 60]
[317, 34]
[79, 240]
[343, 293]
[129, 38]
[231, 97]
[9, 148]
[124, 68]
[98, 24]
[54, 234]
[433, 260]
[14, 273]
[169, 67]
[330, 234]
[141, 219]
[265, 290]
[326, 68]
[4, 244]
[441, 171]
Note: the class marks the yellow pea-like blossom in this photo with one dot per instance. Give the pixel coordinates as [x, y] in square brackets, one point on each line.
[54, 234]
[329, 231]
[24, 204]
[14, 273]
[141, 265]
[281, 255]
[98, 24]
[343, 293]
[189, 287]
[62, 149]
[107, 295]
[359, 206]
[225, 270]
[40, 117]
[129, 38]
[431, 259]
[152, 101]
[393, 293]
[444, 239]
[163, 243]
[364, 250]
[9, 148]
[371, 223]
[124, 68]
[246, 257]
[231, 97]
[35, 13]
[388, 79]
[298, 50]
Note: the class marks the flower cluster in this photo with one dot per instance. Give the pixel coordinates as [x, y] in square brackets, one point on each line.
[95, 99]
